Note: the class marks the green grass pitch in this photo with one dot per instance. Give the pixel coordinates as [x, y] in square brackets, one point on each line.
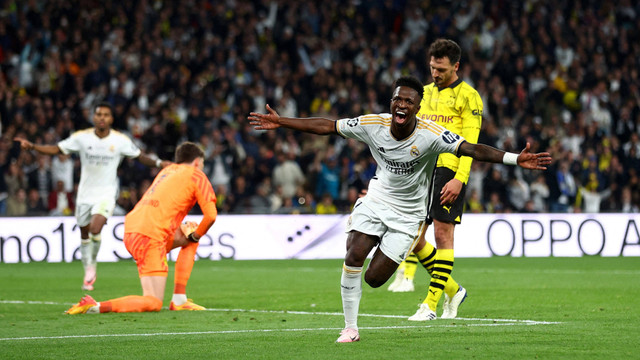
[518, 308]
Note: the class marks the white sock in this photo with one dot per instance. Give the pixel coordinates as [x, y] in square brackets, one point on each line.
[96, 241]
[179, 299]
[85, 252]
[351, 291]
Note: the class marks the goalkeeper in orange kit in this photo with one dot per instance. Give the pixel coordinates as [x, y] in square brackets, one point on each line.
[154, 227]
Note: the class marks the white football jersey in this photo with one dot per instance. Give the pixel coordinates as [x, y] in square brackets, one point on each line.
[99, 160]
[405, 167]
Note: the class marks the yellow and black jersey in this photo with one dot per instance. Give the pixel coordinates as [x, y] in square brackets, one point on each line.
[457, 107]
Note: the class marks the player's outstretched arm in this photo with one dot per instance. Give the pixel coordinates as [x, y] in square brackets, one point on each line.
[151, 162]
[272, 120]
[525, 159]
[43, 149]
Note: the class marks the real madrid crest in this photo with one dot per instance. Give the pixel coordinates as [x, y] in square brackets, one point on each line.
[414, 151]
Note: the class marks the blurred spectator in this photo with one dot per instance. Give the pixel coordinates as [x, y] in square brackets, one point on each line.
[287, 174]
[476, 178]
[495, 204]
[494, 185]
[305, 203]
[17, 204]
[591, 175]
[474, 205]
[127, 199]
[239, 202]
[518, 192]
[219, 164]
[260, 203]
[628, 206]
[288, 106]
[41, 177]
[328, 178]
[589, 198]
[62, 169]
[565, 189]
[353, 193]
[35, 205]
[326, 205]
[539, 194]
[60, 201]
[276, 199]
[15, 180]
[529, 207]
[222, 197]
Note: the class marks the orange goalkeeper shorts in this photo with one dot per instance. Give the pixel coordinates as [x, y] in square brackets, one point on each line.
[150, 254]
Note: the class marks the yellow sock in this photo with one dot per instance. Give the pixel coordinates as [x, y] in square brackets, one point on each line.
[443, 264]
[401, 266]
[451, 287]
[426, 256]
[410, 265]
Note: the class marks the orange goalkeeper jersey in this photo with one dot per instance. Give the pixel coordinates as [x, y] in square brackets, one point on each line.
[173, 193]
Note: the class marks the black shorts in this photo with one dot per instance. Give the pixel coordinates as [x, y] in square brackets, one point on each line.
[448, 213]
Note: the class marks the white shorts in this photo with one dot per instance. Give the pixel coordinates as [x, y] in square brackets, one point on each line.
[84, 212]
[398, 234]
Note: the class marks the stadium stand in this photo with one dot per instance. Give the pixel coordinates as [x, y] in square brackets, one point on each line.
[561, 75]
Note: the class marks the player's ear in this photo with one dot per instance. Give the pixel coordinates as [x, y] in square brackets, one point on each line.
[198, 162]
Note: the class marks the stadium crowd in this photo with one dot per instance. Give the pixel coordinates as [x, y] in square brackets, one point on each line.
[562, 75]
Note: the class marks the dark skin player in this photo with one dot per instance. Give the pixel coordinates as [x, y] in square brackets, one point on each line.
[405, 104]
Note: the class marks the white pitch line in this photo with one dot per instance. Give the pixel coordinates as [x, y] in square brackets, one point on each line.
[303, 313]
[294, 312]
[216, 332]
[368, 315]
[495, 322]
[32, 302]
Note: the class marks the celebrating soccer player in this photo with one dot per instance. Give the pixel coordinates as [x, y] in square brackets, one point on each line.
[101, 150]
[391, 215]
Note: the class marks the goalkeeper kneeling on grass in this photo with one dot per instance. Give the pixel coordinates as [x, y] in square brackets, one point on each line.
[153, 228]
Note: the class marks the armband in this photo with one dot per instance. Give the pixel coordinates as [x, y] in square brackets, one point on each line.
[192, 238]
[158, 163]
[510, 158]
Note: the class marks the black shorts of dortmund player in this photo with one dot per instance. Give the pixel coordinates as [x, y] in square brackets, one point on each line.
[451, 213]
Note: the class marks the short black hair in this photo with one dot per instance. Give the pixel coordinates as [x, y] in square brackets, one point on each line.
[104, 104]
[412, 82]
[445, 48]
[187, 152]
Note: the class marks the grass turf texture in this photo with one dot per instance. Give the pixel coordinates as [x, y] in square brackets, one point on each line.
[591, 302]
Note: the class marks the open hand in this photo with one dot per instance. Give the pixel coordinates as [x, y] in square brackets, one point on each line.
[531, 161]
[265, 121]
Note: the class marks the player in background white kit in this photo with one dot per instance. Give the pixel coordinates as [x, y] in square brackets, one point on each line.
[101, 149]
[392, 213]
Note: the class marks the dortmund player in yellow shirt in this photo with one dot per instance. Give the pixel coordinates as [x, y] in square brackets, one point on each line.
[454, 104]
